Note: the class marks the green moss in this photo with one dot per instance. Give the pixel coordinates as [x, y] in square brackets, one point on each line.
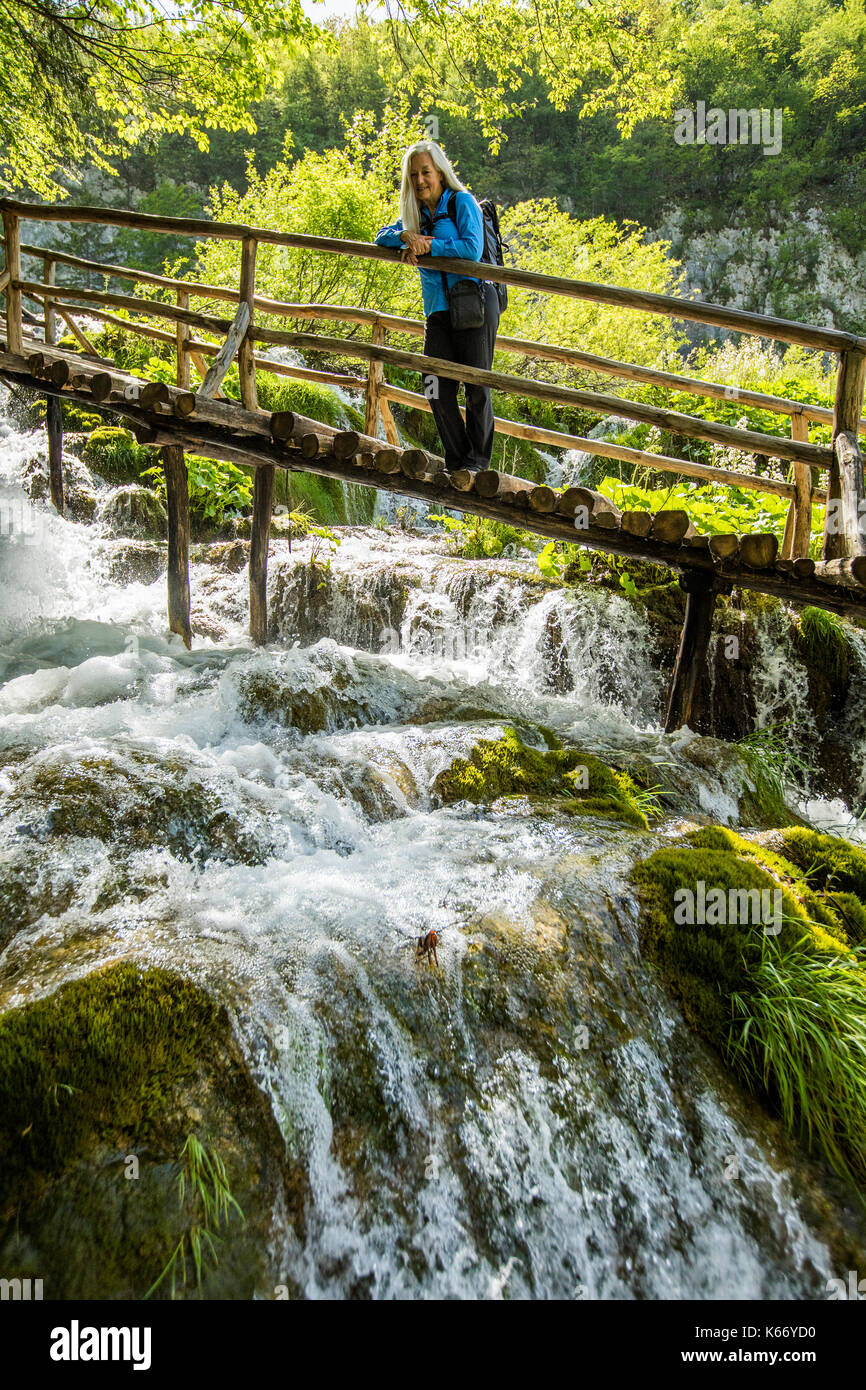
[827, 861]
[704, 964]
[323, 497]
[98, 1058]
[134, 805]
[114, 454]
[101, 1085]
[309, 398]
[508, 767]
[824, 645]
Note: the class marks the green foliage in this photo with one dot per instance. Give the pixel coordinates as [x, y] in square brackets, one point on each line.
[96, 1060]
[823, 639]
[770, 756]
[786, 1008]
[308, 398]
[547, 240]
[827, 862]
[479, 537]
[115, 455]
[216, 489]
[344, 192]
[86, 81]
[210, 1204]
[580, 783]
[799, 1034]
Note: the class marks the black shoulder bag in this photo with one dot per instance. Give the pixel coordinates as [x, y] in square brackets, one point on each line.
[465, 297]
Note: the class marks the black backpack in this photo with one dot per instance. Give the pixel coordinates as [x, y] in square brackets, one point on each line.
[493, 242]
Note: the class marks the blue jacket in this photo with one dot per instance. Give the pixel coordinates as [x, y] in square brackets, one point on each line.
[464, 241]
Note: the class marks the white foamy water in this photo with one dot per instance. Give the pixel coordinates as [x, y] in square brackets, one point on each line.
[536, 1120]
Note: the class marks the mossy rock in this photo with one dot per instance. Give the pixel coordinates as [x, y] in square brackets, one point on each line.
[131, 802]
[704, 964]
[133, 510]
[101, 1083]
[826, 860]
[115, 456]
[507, 767]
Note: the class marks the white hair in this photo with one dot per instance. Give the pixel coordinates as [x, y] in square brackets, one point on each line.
[409, 205]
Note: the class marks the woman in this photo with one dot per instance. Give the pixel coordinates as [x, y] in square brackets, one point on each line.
[426, 229]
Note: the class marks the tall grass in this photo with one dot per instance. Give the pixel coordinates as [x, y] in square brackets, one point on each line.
[800, 1034]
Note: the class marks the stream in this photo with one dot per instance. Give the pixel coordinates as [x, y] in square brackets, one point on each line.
[534, 1119]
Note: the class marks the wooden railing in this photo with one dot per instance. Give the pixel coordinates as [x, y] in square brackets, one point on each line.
[841, 461]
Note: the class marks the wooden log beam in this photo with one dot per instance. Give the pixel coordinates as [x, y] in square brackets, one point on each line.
[346, 313]
[602, 448]
[12, 239]
[691, 426]
[177, 499]
[670, 526]
[256, 451]
[849, 571]
[263, 496]
[50, 321]
[759, 550]
[684, 700]
[737, 320]
[375, 378]
[226, 355]
[724, 547]
[843, 536]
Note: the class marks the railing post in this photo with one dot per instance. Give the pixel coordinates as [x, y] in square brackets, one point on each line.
[843, 538]
[12, 234]
[246, 365]
[182, 374]
[798, 524]
[50, 316]
[376, 404]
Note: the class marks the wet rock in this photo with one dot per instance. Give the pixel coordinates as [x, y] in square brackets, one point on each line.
[572, 779]
[133, 510]
[135, 801]
[113, 1088]
[231, 556]
[137, 562]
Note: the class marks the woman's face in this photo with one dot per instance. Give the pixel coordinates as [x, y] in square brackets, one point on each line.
[427, 181]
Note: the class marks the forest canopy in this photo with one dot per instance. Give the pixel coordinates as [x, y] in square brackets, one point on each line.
[83, 80]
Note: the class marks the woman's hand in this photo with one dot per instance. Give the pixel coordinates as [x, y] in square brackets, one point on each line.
[416, 245]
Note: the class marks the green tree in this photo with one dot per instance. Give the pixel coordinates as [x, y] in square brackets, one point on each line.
[85, 80]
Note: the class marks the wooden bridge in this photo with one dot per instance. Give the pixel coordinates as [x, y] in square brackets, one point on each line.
[178, 419]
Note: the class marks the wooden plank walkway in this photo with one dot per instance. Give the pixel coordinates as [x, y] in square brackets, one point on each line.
[177, 420]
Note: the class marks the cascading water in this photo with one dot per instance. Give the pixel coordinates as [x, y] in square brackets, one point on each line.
[533, 1120]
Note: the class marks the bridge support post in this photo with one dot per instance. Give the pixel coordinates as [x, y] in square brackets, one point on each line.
[53, 406]
[177, 497]
[843, 538]
[263, 496]
[684, 703]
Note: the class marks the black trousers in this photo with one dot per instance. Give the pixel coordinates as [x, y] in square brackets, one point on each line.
[469, 445]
